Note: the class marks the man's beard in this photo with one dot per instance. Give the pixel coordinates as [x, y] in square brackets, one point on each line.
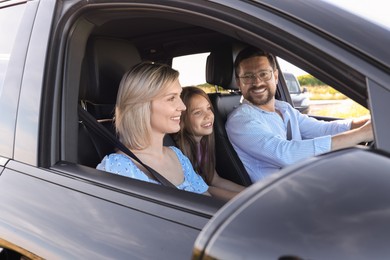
[266, 97]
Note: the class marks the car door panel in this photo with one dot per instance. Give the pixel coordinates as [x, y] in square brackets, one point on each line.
[100, 222]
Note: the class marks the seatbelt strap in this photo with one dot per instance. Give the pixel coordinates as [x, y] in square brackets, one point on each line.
[91, 123]
[289, 134]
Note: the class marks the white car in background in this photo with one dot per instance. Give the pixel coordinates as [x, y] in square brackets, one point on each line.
[299, 95]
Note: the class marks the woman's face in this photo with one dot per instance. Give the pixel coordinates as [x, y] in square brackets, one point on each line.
[166, 110]
[200, 117]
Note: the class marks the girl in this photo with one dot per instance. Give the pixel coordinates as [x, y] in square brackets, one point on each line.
[148, 107]
[196, 140]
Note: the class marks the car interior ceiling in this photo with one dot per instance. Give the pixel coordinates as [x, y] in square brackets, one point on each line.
[158, 38]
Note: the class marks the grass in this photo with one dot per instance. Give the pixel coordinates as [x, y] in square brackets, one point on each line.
[351, 110]
[324, 93]
[346, 109]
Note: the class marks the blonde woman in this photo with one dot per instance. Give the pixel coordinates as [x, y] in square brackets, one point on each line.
[148, 107]
[196, 140]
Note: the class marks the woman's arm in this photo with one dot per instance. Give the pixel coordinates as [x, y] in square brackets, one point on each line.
[226, 184]
[222, 194]
[223, 189]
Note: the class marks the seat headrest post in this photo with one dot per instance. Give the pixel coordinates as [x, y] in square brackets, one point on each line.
[216, 89]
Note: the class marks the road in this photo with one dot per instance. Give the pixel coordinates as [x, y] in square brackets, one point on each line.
[332, 105]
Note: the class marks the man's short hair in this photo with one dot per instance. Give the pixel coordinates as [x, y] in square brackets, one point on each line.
[250, 52]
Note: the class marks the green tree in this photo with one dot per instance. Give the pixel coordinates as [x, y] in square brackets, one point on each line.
[309, 80]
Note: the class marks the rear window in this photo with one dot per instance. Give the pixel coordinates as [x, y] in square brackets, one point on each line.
[192, 69]
[10, 18]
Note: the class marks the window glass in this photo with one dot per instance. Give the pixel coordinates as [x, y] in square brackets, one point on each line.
[9, 23]
[311, 96]
[192, 70]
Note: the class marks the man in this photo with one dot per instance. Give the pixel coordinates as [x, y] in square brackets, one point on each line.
[269, 134]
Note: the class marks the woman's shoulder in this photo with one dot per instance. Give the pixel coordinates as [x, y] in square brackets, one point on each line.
[121, 164]
[114, 160]
[176, 150]
[183, 159]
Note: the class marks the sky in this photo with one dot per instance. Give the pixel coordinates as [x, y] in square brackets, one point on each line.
[376, 11]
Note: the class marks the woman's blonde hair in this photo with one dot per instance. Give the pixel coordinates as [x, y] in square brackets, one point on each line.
[185, 138]
[138, 87]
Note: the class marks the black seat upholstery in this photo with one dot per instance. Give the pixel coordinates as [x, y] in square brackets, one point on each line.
[105, 62]
[219, 71]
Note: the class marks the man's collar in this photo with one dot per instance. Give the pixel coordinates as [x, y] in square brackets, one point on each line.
[279, 105]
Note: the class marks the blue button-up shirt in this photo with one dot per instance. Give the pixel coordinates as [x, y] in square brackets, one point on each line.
[260, 137]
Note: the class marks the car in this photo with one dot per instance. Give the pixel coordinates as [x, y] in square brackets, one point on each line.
[63, 60]
[299, 95]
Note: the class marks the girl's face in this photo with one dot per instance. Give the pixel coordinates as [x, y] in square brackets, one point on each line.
[200, 117]
[166, 110]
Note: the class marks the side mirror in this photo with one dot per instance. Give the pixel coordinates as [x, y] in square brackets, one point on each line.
[304, 90]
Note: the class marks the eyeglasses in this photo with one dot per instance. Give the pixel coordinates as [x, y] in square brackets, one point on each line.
[263, 75]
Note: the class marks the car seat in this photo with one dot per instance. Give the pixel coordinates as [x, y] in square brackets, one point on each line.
[105, 62]
[219, 72]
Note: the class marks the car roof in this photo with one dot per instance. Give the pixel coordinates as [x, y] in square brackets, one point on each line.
[344, 27]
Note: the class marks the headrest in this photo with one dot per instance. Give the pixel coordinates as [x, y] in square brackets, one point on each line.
[105, 63]
[219, 68]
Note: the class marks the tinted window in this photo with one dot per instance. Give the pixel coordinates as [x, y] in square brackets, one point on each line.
[320, 98]
[9, 23]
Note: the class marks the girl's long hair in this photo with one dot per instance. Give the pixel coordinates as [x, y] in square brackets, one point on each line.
[205, 165]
